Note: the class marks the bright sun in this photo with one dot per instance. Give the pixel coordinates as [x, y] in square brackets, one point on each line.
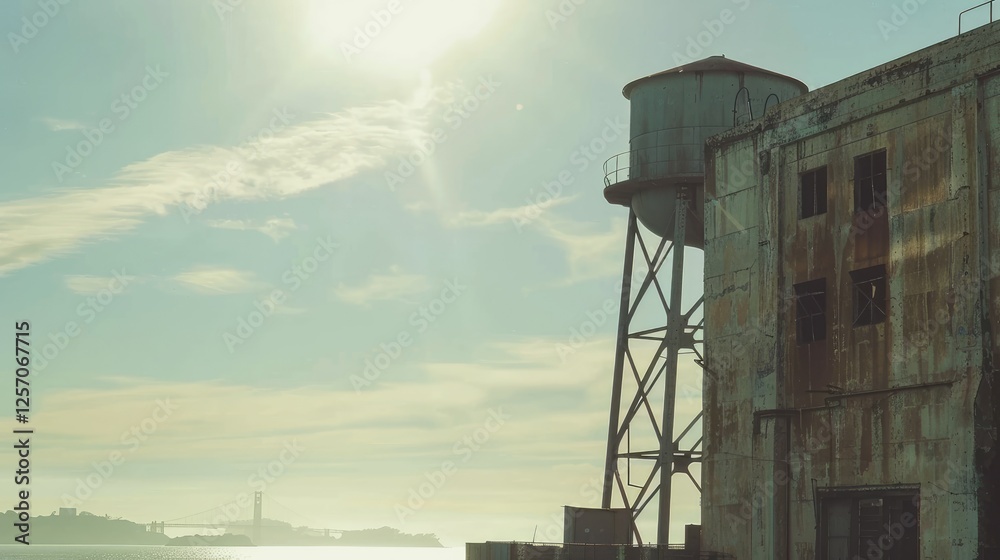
[394, 33]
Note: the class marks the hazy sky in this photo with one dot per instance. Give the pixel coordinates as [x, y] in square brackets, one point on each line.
[207, 215]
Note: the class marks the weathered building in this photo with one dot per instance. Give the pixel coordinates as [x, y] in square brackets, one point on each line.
[852, 293]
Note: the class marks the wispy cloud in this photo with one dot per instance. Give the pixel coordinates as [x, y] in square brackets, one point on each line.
[392, 446]
[60, 125]
[275, 228]
[516, 216]
[88, 285]
[216, 281]
[591, 253]
[524, 373]
[298, 158]
[379, 287]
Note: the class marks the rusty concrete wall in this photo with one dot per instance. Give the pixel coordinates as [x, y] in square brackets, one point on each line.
[910, 401]
[988, 399]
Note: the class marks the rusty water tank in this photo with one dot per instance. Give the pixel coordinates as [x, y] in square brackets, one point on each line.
[672, 114]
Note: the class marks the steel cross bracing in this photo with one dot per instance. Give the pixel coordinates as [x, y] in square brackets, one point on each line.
[680, 334]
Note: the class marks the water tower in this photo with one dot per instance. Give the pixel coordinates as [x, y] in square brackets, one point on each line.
[661, 180]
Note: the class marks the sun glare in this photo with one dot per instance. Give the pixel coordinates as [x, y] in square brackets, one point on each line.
[394, 33]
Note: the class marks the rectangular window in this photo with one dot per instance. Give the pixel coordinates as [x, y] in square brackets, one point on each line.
[870, 299]
[870, 182]
[871, 525]
[812, 193]
[810, 311]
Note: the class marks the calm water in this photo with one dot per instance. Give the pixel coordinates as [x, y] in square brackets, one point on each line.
[40, 552]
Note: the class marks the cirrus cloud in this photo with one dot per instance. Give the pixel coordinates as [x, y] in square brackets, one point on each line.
[380, 287]
[216, 281]
[295, 159]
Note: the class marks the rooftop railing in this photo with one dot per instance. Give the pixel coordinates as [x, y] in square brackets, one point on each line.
[963, 12]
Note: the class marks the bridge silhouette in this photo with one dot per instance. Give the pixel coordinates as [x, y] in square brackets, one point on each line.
[233, 515]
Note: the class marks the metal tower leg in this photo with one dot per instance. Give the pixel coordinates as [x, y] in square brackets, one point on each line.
[675, 327]
[611, 462]
[636, 410]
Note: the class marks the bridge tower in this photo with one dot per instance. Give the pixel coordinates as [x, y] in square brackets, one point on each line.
[258, 500]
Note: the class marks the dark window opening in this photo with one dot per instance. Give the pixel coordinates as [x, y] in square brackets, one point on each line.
[812, 193]
[810, 311]
[870, 182]
[870, 300]
[871, 525]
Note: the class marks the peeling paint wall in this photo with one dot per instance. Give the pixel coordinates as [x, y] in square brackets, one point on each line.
[911, 401]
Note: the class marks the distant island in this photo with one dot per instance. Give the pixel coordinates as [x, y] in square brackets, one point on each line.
[68, 527]
[211, 540]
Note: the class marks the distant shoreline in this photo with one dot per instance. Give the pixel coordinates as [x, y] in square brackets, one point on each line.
[87, 529]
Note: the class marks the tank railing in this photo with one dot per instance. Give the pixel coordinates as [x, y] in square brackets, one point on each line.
[776, 100]
[990, 2]
[645, 161]
[736, 100]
